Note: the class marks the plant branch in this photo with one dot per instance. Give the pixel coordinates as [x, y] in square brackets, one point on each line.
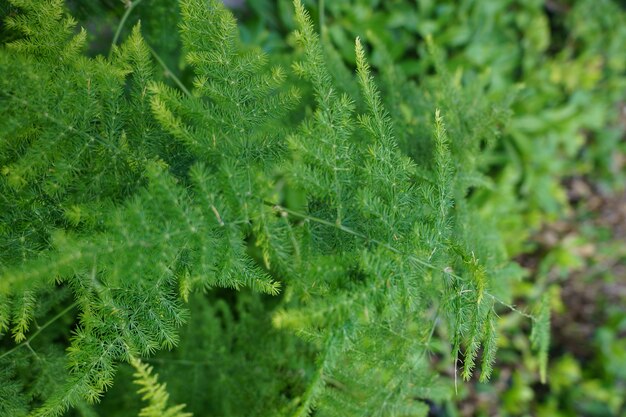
[39, 330]
[387, 246]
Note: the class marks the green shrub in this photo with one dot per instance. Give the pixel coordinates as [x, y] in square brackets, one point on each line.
[266, 229]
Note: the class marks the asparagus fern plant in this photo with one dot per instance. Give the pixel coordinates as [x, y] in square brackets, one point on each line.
[130, 207]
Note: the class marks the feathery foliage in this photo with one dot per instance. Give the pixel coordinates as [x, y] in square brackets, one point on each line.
[133, 198]
[155, 393]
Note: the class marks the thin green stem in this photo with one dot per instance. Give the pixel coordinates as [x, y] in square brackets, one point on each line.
[511, 307]
[39, 330]
[169, 73]
[322, 18]
[127, 13]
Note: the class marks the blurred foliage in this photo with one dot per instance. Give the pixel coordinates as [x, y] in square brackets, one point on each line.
[581, 259]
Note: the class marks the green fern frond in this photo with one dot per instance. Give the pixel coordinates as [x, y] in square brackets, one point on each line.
[540, 334]
[313, 67]
[46, 30]
[489, 346]
[23, 310]
[5, 313]
[154, 393]
[444, 172]
[379, 125]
